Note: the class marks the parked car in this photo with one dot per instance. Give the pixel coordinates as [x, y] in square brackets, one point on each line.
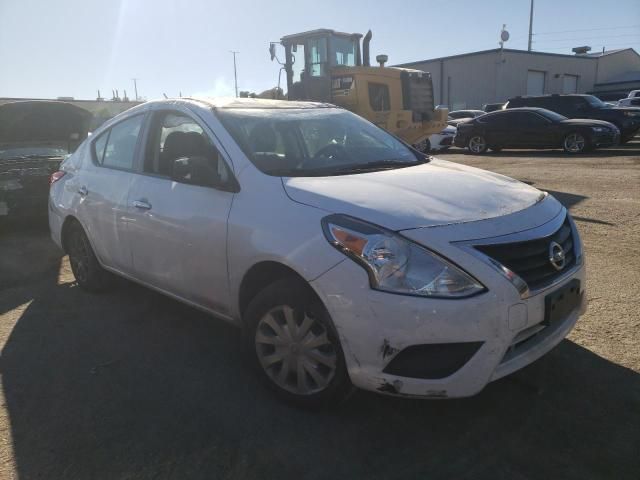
[348, 258]
[534, 128]
[633, 99]
[585, 106]
[492, 107]
[35, 136]
[439, 142]
[457, 114]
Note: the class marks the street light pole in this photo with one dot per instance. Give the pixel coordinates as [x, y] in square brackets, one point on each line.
[530, 25]
[235, 71]
[135, 87]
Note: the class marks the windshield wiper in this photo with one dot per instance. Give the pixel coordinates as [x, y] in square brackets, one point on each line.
[377, 166]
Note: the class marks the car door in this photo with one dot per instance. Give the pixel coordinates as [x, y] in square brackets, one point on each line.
[533, 130]
[178, 209]
[103, 186]
[496, 128]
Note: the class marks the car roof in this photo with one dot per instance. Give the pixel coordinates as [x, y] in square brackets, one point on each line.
[551, 95]
[258, 103]
[518, 109]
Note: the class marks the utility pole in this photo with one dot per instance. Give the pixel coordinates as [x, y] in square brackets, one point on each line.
[235, 71]
[135, 87]
[530, 26]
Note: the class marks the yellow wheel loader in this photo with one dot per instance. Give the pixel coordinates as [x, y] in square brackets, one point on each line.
[328, 66]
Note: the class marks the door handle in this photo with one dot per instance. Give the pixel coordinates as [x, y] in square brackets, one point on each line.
[142, 204]
[83, 191]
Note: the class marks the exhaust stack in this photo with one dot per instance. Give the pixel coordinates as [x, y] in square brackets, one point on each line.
[365, 49]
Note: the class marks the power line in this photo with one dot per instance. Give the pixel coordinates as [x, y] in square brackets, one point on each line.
[587, 29]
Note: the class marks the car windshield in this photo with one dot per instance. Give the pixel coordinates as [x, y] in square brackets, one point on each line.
[19, 152]
[553, 116]
[595, 101]
[314, 142]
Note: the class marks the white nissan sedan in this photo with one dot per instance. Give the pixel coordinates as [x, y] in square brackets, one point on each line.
[347, 257]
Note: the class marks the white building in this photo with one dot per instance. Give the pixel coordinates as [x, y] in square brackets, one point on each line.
[473, 79]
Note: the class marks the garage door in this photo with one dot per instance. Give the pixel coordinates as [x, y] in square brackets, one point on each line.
[535, 82]
[570, 84]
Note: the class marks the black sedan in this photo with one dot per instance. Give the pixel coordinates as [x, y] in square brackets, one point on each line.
[534, 128]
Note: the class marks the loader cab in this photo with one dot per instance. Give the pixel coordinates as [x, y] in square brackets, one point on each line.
[311, 56]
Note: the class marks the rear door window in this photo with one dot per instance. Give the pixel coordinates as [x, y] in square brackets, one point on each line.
[116, 147]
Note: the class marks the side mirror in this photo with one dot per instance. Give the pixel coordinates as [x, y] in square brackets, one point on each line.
[202, 171]
[272, 50]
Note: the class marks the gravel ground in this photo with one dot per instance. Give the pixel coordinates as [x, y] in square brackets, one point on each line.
[132, 385]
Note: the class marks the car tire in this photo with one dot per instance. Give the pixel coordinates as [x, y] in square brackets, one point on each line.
[86, 269]
[575, 143]
[477, 144]
[305, 368]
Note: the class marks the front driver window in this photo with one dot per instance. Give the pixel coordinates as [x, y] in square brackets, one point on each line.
[178, 148]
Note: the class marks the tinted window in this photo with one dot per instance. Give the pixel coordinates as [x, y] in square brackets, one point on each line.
[308, 142]
[515, 119]
[178, 148]
[492, 119]
[119, 144]
[379, 97]
[553, 116]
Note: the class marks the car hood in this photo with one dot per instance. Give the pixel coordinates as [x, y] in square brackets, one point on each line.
[625, 109]
[427, 195]
[34, 122]
[586, 122]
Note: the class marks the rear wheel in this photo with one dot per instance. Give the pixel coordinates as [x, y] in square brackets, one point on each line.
[477, 144]
[294, 346]
[84, 264]
[575, 142]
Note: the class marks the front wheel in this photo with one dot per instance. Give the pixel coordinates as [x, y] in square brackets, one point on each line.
[575, 142]
[294, 345]
[477, 144]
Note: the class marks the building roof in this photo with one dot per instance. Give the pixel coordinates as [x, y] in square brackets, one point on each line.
[606, 52]
[626, 77]
[593, 56]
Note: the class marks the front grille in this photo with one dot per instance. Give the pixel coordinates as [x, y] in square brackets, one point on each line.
[530, 259]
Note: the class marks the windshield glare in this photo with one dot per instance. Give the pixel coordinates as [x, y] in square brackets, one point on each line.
[311, 142]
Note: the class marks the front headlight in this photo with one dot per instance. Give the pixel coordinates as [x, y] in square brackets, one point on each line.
[395, 264]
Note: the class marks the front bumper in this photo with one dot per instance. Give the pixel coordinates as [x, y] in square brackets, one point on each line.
[606, 139]
[374, 327]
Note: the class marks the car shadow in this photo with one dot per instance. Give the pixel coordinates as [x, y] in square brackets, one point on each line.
[131, 384]
[631, 148]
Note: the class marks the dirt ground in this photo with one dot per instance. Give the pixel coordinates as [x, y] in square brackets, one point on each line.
[132, 385]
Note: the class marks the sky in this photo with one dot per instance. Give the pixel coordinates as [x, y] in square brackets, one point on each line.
[52, 48]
